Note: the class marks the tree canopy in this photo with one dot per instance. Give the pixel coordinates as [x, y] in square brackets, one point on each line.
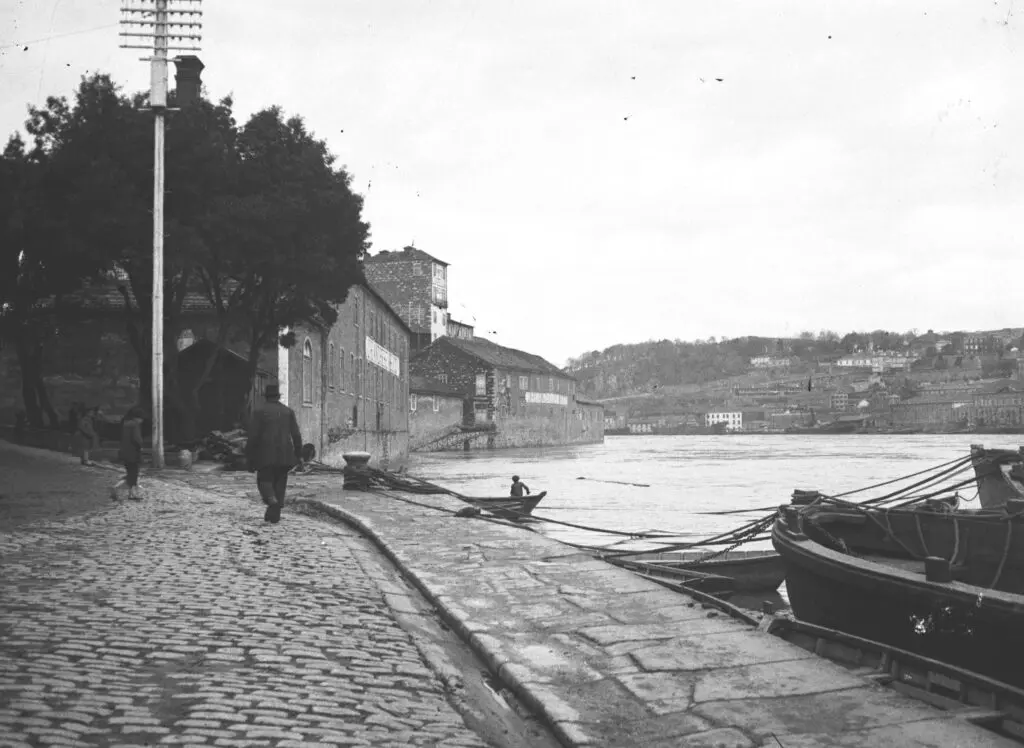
[262, 228]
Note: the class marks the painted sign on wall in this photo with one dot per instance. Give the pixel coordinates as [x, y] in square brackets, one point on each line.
[378, 355]
[547, 398]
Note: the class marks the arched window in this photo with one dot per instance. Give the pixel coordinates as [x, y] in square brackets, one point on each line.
[307, 371]
[342, 383]
[331, 367]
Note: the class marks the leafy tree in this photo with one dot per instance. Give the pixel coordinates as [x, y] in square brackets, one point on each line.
[853, 341]
[288, 239]
[258, 221]
[39, 267]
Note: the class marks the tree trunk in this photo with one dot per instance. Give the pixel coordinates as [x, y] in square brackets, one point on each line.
[40, 385]
[142, 351]
[29, 391]
[256, 344]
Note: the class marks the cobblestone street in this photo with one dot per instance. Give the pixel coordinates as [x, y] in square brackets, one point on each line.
[185, 620]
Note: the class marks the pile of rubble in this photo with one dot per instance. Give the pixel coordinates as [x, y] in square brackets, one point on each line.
[224, 446]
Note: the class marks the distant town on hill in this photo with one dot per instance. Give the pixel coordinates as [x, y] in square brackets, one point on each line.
[932, 381]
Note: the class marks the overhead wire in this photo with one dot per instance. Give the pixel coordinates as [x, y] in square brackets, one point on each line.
[57, 36]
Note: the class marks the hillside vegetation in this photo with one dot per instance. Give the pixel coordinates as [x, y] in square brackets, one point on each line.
[664, 366]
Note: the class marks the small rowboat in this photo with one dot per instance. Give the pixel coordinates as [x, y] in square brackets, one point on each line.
[751, 571]
[507, 507]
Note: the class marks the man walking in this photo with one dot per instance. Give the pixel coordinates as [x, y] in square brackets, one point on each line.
[273, 448]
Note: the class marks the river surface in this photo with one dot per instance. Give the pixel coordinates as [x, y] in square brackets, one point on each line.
[688, 477]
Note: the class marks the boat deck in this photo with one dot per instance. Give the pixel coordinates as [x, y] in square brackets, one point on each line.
[610, 659]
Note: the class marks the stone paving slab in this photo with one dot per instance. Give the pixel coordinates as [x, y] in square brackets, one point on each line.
[185, 620]
[614, 660]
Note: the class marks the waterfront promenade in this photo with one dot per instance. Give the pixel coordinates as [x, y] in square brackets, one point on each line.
[184, 619]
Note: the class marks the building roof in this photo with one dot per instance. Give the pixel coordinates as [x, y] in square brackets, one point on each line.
[407, 254]
[202, 346]
[505, 358]
[427, 386]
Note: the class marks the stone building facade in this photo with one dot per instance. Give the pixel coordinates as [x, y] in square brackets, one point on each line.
[938, 414]
[349, 383]
[435, 413]
[415, 284]
[525, 400]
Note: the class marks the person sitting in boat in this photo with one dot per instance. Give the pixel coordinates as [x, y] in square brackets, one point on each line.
[518, 487]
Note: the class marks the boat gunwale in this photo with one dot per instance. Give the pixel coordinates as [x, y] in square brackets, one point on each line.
[506, 499]
[862, 573]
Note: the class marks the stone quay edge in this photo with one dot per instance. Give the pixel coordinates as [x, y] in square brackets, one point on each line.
[609, 659]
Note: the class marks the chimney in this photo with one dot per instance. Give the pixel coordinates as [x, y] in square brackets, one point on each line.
[187, 79]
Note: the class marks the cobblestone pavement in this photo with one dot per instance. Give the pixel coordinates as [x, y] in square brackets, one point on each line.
[185, 620]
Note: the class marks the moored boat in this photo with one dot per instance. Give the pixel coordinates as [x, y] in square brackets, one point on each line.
[938, 582]
[751, 571]
[507, 507]
[1000, 475]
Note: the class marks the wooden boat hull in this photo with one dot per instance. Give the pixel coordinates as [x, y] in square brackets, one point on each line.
[751, 571]
[507, 507]
[963, 624]
[996, 471]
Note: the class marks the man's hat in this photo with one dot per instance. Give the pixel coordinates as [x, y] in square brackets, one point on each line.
[272, 390]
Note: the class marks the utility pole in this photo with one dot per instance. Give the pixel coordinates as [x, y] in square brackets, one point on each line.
[172, 25]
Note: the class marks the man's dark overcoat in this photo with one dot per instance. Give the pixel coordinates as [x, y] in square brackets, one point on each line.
[274, 437]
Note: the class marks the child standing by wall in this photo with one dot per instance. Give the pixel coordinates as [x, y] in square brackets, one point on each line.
[130, 451]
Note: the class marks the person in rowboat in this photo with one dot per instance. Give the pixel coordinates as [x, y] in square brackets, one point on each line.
[518, 487]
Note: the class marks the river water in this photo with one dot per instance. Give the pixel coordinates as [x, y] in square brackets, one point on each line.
[687, 477]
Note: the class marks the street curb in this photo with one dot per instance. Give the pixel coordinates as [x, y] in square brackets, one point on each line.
[567, 732]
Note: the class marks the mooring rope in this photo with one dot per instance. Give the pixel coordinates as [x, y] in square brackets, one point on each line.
[1006, 555]
[751, 531]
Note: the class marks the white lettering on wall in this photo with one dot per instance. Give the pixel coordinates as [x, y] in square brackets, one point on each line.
[547, 398]
[380, 356]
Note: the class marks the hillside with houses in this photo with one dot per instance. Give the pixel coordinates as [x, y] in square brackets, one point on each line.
[878, 381]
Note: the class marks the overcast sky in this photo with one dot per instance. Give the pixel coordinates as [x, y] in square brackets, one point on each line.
[608, 172]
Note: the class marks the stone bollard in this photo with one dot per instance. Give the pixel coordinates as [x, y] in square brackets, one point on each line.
[356, 471]
[185, 459]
